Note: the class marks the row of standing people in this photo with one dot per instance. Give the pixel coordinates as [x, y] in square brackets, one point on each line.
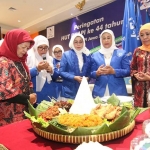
[108, 67]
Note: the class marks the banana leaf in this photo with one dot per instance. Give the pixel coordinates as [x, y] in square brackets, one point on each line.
[32, 110]
[102, 130]
[39, 122]
[134, 113]
[55, 127]
[142, 109]
[43, 106]
[137, 110]
[113, 99]
[97, 100]
[122, 121]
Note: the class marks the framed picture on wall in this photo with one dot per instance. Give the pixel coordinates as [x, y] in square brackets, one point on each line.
[50, 32]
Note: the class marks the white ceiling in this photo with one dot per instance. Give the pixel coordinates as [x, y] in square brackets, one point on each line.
[34, 20]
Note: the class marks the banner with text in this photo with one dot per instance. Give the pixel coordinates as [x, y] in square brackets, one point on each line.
[90, 25]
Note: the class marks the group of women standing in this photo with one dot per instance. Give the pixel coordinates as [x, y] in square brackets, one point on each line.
[23, 60]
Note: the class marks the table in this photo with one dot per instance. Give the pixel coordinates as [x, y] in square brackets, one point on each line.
[20, 136]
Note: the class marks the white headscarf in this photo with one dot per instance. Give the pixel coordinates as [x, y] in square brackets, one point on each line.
[107, 51]
[84, 49]
[79, 53]
[55, 46]
[34, 58]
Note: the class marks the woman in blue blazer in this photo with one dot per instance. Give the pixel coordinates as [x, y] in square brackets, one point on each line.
[75, 64]
[109, 67]
[57, 52]
[41, 68]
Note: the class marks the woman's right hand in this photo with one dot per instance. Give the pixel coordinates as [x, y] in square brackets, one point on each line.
[78, 79]
[32, 98]
[99, 70]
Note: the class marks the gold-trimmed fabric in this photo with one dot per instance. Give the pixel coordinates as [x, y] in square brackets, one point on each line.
[80, 139]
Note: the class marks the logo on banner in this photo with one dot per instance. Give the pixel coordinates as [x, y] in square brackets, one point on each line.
[50, 32]
[132, 27]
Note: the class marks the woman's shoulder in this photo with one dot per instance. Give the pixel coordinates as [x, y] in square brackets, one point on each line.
[120, 51]
[4, 60]
[5, 63]
[138, 49]
[68, 52]
[95, 54]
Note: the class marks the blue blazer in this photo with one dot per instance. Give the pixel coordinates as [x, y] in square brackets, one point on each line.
[68, 69]
[57, 73]
[116, 84]
[56, 78]
[47, 90]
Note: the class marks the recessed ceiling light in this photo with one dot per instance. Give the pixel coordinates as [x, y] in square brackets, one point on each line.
[19, 21]
[71, 14]
[41, 8]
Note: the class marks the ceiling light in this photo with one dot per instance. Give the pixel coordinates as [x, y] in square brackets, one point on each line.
[19, 21]
[41, 8]
[71, 14]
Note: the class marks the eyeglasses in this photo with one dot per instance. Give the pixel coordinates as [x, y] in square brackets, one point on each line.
[42, 48]
[58, 52]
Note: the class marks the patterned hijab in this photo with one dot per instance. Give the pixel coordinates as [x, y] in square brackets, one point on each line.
[145, 47]
[12, 39]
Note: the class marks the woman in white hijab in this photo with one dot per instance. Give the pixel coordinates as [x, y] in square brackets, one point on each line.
[40, 64]
[74, 64]
[109, 67]
[57, 52]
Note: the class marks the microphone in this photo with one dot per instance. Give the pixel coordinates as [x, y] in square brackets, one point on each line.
[44, 56]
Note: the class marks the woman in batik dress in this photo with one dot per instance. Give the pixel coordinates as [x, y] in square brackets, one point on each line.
[15, 85]
[140, 68]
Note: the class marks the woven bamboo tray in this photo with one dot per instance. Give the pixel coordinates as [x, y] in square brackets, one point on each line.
[79, 139]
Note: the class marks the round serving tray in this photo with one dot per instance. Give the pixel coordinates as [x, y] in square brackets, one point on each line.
[86, 138]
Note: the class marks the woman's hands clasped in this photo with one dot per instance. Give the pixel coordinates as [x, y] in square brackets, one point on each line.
[44, 66]
[140, 76]
[79, 78]
[104, 70]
